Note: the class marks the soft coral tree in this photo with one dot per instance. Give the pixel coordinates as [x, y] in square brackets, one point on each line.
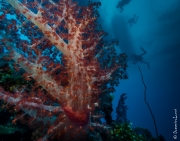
[76, 81]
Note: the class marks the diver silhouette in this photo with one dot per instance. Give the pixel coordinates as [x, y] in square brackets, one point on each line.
[132, 20]
[121, 4]
[139, 58]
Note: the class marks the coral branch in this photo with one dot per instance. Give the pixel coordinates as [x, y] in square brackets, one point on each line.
[37, 19]
[66, 61]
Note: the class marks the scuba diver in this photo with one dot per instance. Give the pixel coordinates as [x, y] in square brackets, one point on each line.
[132, 20]
[139, 58]
[122, 3]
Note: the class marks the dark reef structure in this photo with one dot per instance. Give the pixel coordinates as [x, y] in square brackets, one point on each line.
[121, 109]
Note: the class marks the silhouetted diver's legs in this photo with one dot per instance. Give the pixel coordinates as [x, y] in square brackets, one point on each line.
[144, 52]
[146, 63]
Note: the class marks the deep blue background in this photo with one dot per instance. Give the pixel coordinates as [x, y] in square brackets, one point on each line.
[158, 32]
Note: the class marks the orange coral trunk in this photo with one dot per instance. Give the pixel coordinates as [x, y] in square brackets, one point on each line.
[77, 117]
